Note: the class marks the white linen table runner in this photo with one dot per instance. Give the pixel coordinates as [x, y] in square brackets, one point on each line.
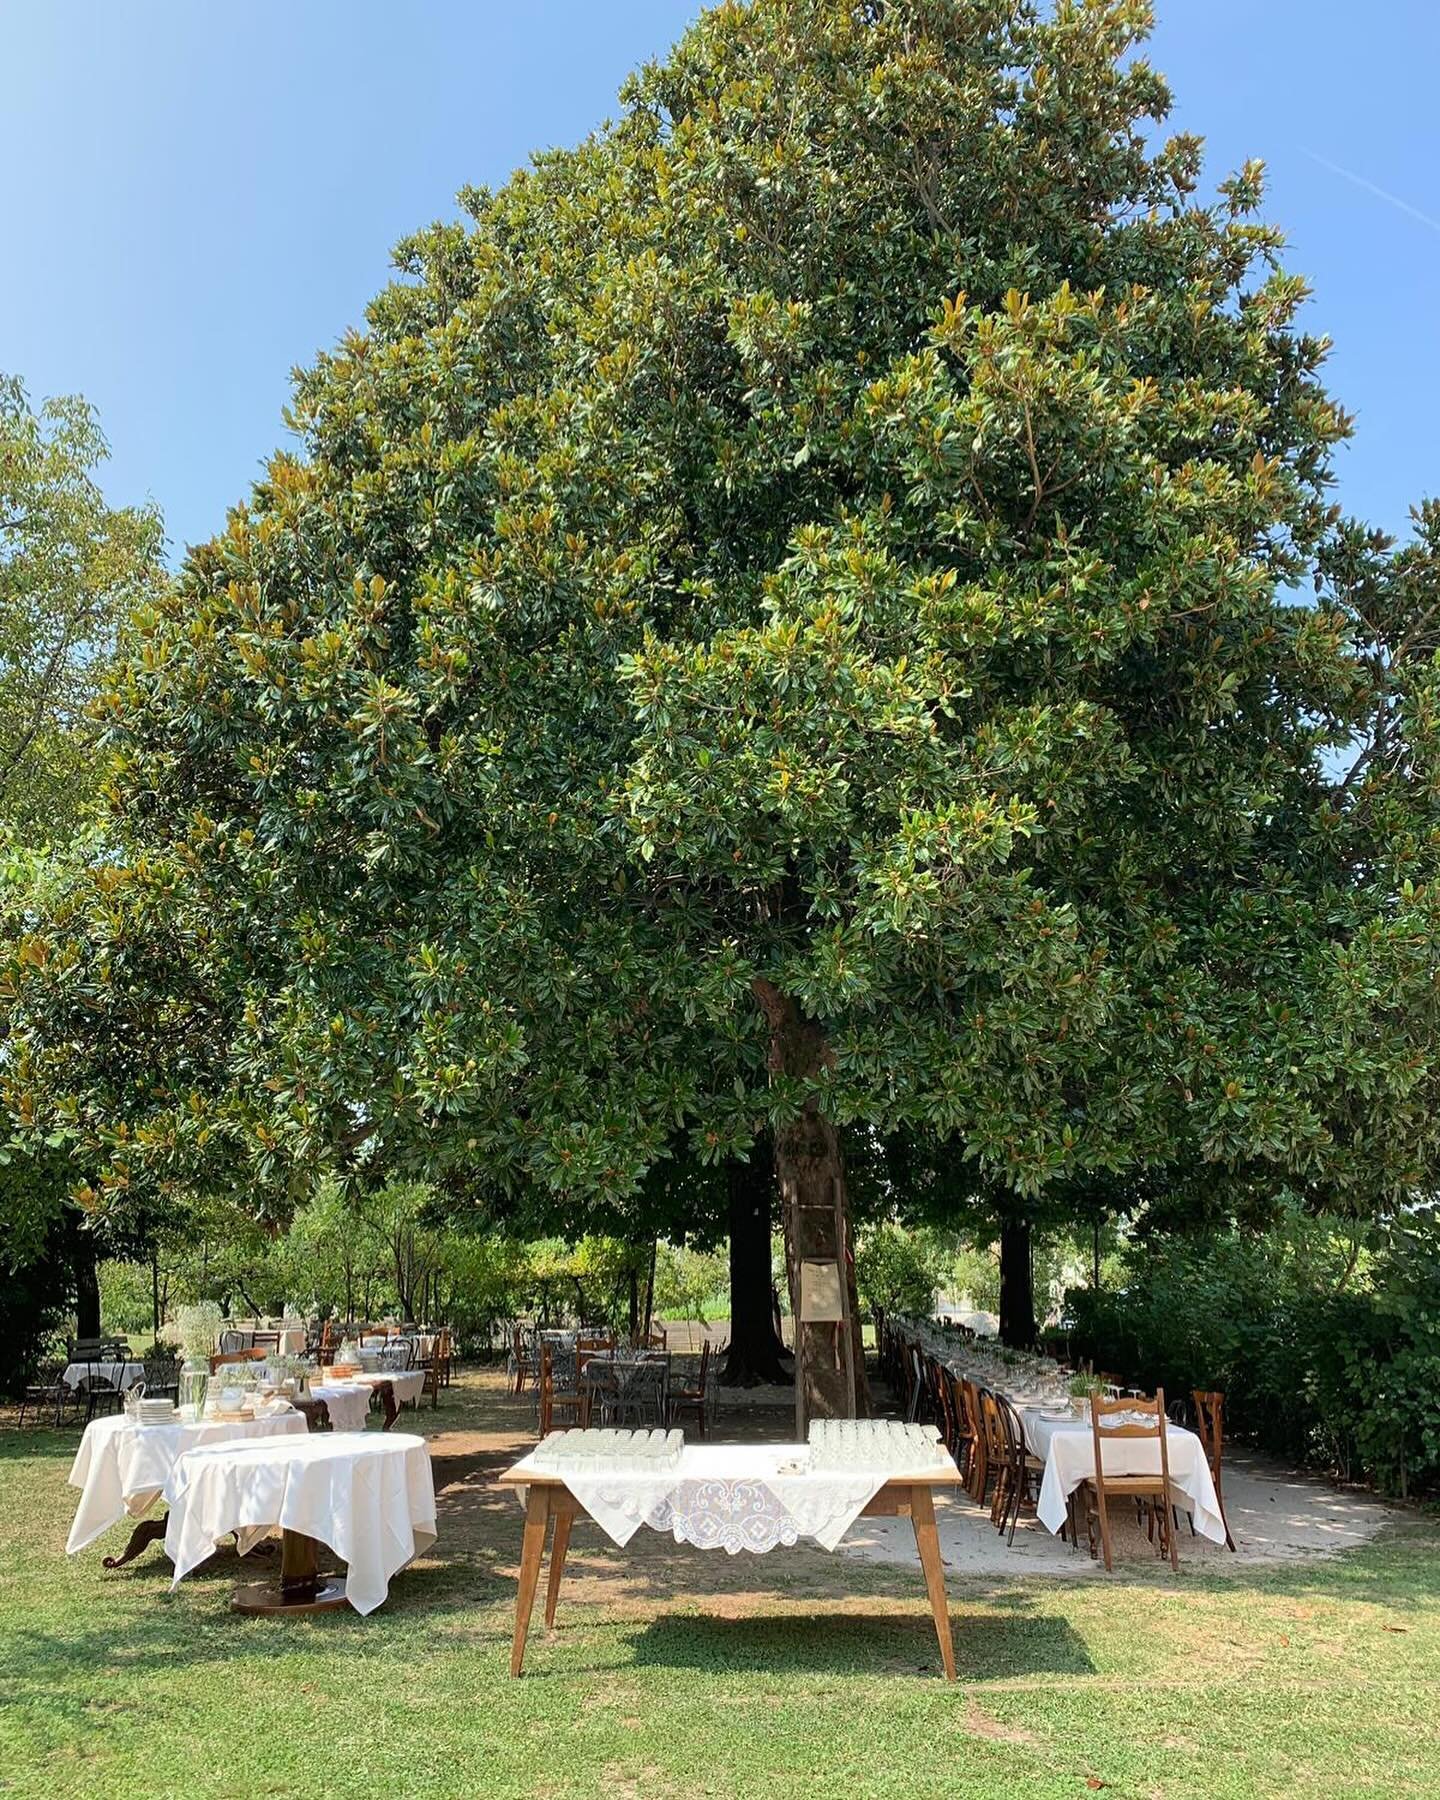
[728, 1497]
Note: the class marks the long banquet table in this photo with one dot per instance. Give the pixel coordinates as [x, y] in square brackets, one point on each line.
[755, 1497]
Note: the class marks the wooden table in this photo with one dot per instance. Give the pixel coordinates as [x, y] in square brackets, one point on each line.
[902, 1496]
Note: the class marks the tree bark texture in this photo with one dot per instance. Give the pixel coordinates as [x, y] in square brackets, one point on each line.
[1017, 1286]
[814, 1203]
[755, 1351]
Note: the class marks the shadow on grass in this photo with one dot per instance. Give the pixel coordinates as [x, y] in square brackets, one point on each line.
[862, 1643]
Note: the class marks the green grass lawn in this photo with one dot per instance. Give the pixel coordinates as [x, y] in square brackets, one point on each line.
[689, 1673]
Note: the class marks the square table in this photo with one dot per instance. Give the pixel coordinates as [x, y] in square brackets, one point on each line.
[726, 1496]
[1067, 1448]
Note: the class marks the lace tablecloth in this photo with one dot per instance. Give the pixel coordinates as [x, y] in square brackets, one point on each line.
[121, 1467]
[1067, 1448]
[729, 1497]
[370, 1497]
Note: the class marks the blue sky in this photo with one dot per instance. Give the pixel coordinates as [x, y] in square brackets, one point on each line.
[202, 193]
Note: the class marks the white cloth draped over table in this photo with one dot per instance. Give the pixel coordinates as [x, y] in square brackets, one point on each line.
[725, 1497]
[1067, 1448]
[369, 1496]
[121, 1466]
[348, 1402]
[123, 1375]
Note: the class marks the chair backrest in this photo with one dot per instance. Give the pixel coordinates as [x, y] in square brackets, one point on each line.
[996, 1443]
[231, 1341]
[971, 1396]
[1210, 1420]
[221, 1358]
[1133, 1418]
[959, 1412]
[704, 1365]
[599, 1341]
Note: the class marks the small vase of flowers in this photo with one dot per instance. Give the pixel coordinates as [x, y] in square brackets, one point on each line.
[197, 1327]
[1083, 1389]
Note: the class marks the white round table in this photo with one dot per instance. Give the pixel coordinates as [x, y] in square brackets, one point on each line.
[369, 1495]
[121, 1469]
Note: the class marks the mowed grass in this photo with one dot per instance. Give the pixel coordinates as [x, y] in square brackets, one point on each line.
[793, 1674]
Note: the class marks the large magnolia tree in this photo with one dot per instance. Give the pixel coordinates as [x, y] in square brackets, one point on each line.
[799, 612]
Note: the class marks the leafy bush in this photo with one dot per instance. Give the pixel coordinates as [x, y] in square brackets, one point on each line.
[1336, 1367]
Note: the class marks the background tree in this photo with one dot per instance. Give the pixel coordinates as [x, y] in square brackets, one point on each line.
[70, 568]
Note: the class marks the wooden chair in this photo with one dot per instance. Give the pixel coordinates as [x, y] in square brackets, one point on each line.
[558, 1396]
[687, 1399]
[1210, 1419]
[1018, 1488]
[1146, 1420]
[996, 1455]
[224, 1357]
[524, 1356]
[963, 1447]
[445, 1350]
[980, 1455]
[430, 1365]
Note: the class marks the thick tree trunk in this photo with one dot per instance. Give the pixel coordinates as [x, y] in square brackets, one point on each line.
[1017, 1287]
[815, 1208]
[755, 1351]
[87, 1286]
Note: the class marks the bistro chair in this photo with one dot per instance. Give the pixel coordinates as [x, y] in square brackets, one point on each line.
[642, 1396]
[1018, 1489]
[963, 1446]
[1136, 1419]
[162, 1376]
[48, 1390]
[431, 1384]
[697, 1399]
[104, 1388]
[558, 1390]
[980, 1453]
[1210, 1419]
[524, 1361]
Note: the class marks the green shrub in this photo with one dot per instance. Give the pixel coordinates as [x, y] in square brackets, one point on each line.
[1337, 1371]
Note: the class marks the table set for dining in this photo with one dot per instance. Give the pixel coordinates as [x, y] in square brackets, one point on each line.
[1057, 1429]
[255, 1473]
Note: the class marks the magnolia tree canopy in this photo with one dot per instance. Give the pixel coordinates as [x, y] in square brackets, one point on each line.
[821, 606]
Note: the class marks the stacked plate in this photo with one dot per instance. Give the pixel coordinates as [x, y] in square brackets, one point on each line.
[155, 1412]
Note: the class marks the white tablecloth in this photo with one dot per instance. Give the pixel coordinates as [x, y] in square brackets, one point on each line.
[1067, 1449]
[121, 1467]
[407, 1383]
[118, 1374]
[727, 1497]
[370, 1497]
[348, 1401]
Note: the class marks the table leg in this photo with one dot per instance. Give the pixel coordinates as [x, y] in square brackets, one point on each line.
[559, 1545]
[301, 1587]
[922, 1518]
[537, 1517]
[148, 1531]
